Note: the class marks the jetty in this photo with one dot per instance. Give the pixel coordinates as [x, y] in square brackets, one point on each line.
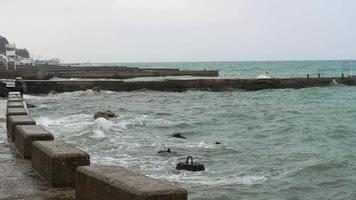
[179, 85]
[97, 72]
[17, 179]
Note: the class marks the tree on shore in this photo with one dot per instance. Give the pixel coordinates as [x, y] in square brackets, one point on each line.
[23, 53]
[3, 43]
[20, 52]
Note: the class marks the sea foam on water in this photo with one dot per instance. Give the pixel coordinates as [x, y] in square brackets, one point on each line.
[101, 125]
[266, 150]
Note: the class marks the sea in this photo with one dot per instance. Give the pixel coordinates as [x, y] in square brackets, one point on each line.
[269, 144]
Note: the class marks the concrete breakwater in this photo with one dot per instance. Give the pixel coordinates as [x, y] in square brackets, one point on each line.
[46, 72]
[175, 85]
[63, 165]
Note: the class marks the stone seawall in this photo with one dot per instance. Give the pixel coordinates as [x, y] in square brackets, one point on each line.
[36, 73]
[32, 86]
[63, 165]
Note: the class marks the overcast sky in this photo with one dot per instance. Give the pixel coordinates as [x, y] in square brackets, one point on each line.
[181, 30]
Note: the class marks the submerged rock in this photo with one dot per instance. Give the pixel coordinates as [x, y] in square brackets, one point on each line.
[104, 114]
[164, 152]
[101, 114]
[178, 135]
[30, 105]
[110, 114]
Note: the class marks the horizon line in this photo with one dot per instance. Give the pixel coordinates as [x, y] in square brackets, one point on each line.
[216, 61]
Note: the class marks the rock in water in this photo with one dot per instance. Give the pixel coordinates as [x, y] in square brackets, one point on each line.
[167, 151]
[30, 105]
[110, 114]
[101, 114]
[105, 114]
[178, 135]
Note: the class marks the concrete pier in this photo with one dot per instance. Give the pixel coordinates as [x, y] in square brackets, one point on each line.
[24, 135]
[17, 179]
[57, 161]
[46, 72]
[179, 85]
[14, 120]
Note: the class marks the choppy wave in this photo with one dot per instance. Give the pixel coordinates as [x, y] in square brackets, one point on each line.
[274, 142]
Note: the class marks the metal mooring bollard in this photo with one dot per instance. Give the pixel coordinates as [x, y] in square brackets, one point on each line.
[342, 75]
[318, 75]
[307, 76]
[190, 166]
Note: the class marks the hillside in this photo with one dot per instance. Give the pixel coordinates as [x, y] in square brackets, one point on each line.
[20, 52]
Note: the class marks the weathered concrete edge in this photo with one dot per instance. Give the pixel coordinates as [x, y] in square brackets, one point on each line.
[113, 181]
[178, 188]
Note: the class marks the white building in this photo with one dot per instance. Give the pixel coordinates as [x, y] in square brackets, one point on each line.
[10, 52]
[15, 59]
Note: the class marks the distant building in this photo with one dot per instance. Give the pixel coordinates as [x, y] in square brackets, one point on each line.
[14, 59]
[52, 61]
[10, 52]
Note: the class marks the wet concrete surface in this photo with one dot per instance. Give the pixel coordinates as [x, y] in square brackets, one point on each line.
[17, 178]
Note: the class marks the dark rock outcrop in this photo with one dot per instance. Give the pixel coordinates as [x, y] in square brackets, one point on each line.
[30, 105]
[178, 135]
[166, 151]
[104, 114]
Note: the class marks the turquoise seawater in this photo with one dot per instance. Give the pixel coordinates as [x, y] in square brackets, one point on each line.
[275, 144]
[250, 69]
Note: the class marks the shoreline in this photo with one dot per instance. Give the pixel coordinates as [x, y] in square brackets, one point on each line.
[58, 169]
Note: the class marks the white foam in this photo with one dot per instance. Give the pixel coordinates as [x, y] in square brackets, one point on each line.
[206, 145]
[263, 76]
[100, 125]
[124, 122]
[29, 97]
[200, 178]
[103, 123]
[97, 133]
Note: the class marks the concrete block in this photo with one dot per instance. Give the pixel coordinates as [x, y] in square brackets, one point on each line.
[15, 111]
[56, 161]
[14, 99]
[24, 135]
[114, 182]
[14, 94]
[15, 104]
[14, 120]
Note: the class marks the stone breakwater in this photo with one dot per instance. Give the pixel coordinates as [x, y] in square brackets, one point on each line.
[46, 72]
[176, 85]
[63, 165]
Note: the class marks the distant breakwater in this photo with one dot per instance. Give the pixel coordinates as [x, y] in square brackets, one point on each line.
[96, 72]
[179, 85]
